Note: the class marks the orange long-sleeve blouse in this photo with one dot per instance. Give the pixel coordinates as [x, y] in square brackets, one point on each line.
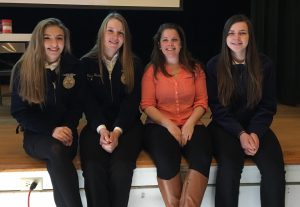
[177, 96]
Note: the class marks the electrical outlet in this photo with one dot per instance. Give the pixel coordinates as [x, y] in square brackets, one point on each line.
[26, 182]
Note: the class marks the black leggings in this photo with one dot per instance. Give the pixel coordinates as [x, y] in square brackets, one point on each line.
[59, 165]
[230, 157]
[108, 176]
[166, 151]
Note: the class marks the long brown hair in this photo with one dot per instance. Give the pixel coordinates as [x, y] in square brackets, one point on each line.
[125, 51]
[226, 85]
[32, 63]
[157, 57]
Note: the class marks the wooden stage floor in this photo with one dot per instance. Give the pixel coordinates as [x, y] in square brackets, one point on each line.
[286, 125]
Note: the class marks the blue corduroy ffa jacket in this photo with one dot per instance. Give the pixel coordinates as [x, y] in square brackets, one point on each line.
[237, 117]
[63, 101]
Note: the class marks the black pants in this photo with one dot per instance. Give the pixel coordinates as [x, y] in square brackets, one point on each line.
[108, 176]
[59, 165]
[166, 151]
[230, 157]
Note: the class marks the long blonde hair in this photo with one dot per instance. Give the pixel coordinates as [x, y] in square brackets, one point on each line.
[32, 63]
[125, 51]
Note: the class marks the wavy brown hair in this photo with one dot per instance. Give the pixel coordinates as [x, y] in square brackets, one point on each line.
[32, 63]
[126, 55]
[158, 59]
[226, 85]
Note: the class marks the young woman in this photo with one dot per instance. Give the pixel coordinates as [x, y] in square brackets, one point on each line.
[174, 98]
[242, 98]
[111, 140]
[46, 103]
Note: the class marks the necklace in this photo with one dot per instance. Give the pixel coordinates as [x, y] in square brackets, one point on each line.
[236, 61]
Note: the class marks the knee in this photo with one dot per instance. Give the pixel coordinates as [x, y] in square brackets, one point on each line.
[121, 171]
[57, 151]
[167, 170]
[93, 171]
[274, 173]
[201, 164]
[230, 168]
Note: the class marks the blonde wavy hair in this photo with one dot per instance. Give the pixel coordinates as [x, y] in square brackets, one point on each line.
[126, 55]
[32, 63]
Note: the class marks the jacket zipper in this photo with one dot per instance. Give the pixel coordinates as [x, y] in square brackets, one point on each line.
[54, 87]
[111, 91]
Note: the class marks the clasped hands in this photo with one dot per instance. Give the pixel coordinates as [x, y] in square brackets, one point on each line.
[250, 143]
[183, 134]
[109, 140]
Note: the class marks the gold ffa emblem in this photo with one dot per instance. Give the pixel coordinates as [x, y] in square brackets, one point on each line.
[69, 80]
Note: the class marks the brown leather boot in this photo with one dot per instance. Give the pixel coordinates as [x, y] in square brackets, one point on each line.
[170, 190]
[193, 189]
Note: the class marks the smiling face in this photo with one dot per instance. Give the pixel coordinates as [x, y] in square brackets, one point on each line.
[170, 44]
[237, 39]
[114, 35]
[54, 43]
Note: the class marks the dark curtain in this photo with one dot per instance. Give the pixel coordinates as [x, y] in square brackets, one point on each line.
[277, 29]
